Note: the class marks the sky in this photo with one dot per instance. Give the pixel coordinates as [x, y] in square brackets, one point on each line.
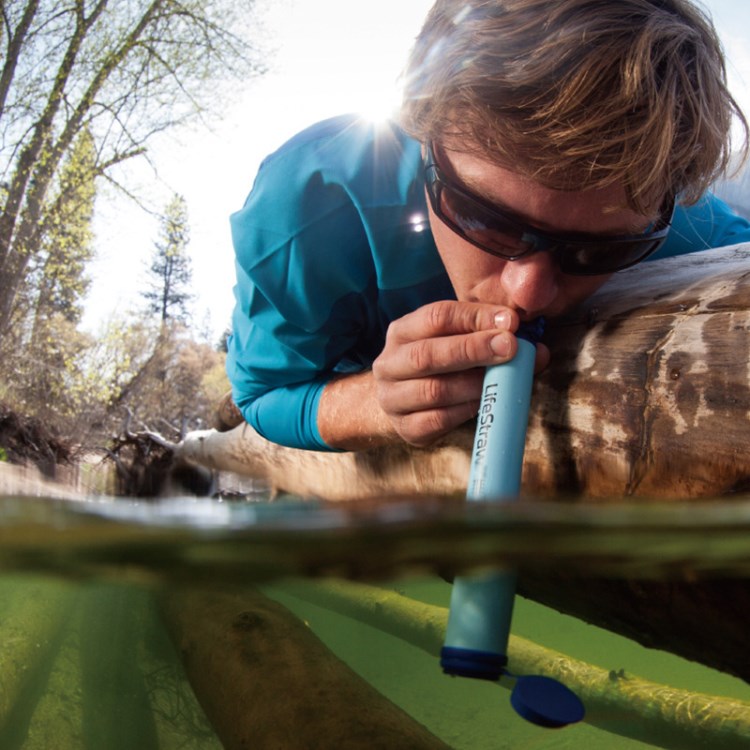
[328, 57]
[324, 58]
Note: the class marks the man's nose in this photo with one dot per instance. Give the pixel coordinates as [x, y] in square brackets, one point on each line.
[532, 283]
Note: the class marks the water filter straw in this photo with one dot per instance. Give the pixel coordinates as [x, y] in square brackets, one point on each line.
[481, 606]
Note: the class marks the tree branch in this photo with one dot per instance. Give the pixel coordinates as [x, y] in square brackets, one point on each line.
[15, 43]
[616, 702]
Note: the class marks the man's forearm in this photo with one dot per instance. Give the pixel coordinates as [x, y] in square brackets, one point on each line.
[350, 417]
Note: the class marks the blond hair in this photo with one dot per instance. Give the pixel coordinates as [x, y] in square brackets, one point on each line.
[578, 93]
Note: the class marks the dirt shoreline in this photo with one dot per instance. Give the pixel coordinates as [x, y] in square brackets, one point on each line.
[36, 462]
[27, 441]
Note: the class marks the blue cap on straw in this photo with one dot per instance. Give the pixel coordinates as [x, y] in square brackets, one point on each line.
[546, 702]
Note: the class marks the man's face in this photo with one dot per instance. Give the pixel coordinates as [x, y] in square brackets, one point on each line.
[533, 285]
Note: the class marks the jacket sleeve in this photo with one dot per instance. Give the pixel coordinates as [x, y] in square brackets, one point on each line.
[303, 297]
[707, 224]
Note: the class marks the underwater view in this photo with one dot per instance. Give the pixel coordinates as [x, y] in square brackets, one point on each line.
[211, 624]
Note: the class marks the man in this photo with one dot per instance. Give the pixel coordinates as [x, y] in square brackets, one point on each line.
[550, 144]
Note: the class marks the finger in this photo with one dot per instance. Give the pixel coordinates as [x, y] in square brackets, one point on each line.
[447, 354]
[406, 396]
[543, 357]
[448, 317]
[424, 427]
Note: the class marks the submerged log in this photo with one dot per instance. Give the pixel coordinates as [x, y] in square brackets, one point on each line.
[56, 720]
[648, 394]
[266, 681]
[701, 620]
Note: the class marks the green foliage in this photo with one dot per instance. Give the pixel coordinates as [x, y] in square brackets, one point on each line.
[47, 371]
[170, 273]
[58, 281]
[215, 383]
[165, 377]
[83, 385]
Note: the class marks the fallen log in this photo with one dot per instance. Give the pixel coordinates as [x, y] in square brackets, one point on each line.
[649, 391]
[647, 395]
[398, 469]
[264, 680]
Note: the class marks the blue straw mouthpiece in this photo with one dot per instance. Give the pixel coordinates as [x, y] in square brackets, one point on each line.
[532, 330]
[540, 700]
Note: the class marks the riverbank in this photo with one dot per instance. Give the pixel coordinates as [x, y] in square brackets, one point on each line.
[27, 441]
[37, 462]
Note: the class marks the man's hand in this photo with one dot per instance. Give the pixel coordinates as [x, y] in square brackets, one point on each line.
[428, 378]
[426, 381]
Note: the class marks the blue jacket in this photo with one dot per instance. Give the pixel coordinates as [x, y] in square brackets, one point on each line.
[332, 245]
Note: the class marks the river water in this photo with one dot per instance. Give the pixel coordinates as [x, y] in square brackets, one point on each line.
[193, 623]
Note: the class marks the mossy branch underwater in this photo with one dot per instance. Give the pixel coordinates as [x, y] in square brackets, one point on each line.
[624, 704]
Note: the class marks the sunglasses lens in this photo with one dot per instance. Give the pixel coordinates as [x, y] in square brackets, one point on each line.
[488, 229]
[592, 259]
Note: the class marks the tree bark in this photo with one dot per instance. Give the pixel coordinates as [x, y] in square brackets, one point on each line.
[649, 391]
[33, 173]
[16, 39]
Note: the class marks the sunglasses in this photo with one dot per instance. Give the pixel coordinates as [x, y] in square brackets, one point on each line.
[496, 232]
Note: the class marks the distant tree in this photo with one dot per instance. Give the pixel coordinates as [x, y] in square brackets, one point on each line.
[48, 375]
[41, 356]
[67, 242]
[121, 70]
[222, 345]
[170, 270]
[160, 374]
